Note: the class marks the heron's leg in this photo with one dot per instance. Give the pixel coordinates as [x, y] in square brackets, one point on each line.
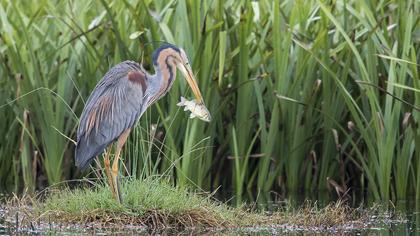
[120, 143]
[107, 164]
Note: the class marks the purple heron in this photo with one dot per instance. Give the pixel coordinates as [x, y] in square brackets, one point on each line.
[119, 100]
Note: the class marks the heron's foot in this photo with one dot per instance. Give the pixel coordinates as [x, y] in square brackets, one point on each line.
[116, 190]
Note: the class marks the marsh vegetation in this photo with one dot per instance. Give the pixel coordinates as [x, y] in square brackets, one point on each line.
[305, 96]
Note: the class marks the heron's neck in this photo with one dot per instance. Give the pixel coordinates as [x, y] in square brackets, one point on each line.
[163, 78]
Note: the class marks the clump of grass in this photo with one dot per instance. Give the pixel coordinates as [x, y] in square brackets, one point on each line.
[150, 203]
[155, 204]
[334, 214]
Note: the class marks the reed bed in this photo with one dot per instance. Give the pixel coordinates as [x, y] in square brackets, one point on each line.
[304, 95]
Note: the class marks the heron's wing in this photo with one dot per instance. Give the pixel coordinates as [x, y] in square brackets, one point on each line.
[113, 107]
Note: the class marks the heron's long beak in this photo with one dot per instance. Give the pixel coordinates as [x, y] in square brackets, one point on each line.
[189, 76]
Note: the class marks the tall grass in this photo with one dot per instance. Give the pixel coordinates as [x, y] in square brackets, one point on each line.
[303, 94]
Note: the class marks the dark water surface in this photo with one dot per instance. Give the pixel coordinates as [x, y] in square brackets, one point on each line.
[408, 222]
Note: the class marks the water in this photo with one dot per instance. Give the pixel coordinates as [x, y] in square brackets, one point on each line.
[3, 230]
[391, 228]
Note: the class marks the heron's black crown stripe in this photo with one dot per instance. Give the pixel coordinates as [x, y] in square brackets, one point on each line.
[163, 47]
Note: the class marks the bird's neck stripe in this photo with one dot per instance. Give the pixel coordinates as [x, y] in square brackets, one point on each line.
[167, 72]
[172, 71]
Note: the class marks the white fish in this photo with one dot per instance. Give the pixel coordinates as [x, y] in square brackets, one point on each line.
[198, 110]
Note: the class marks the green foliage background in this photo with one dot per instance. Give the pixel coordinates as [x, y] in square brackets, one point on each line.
[303, 94]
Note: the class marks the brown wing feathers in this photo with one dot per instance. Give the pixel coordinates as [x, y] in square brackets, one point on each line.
[97, 113]
[138, 77]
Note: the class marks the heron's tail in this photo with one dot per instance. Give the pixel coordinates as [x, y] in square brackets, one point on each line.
[85, 153]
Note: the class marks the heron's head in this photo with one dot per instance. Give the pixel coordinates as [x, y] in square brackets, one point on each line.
[174, 56]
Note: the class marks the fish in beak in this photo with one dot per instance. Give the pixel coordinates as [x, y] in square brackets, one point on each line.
[200, 110]
[197, 110]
